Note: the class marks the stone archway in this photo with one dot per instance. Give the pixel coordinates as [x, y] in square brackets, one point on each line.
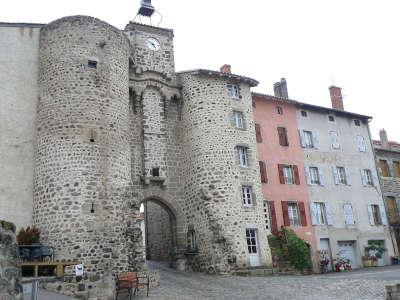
[164, 236]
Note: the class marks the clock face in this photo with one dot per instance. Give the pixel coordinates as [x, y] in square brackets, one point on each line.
[153, 44]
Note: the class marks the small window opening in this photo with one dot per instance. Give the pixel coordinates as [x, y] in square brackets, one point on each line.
[303, 113]
[92, 64]
[331, 118]
[92, 140]
[357, 122]
[191, 241]
[155, 172]
[92, 209]
[279, 110]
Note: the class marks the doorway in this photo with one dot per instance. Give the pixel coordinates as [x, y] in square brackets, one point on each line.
[252, 246]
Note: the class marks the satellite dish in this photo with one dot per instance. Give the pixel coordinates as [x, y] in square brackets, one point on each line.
[146, 9]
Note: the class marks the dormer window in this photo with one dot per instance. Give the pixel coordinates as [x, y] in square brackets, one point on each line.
[233, 91]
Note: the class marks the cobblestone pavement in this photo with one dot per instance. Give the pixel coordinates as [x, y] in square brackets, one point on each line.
[364, 284]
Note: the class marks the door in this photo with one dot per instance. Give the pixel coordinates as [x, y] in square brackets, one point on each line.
[347, 251]
[325, 251]
[252, 246]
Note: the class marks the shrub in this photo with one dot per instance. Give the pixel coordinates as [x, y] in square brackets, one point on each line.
[28, 236]
[297, 250]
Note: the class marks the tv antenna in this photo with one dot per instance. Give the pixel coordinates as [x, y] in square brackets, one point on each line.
[147, 10]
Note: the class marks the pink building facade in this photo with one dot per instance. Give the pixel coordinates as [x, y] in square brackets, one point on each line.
[281, 161]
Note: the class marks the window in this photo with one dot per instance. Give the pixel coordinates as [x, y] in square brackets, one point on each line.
[247, 196]
[155, 172]
[191, 241]
[243, 156]
[341, 172]
[288, 174]
[366, 177]
[314, 176]
[334, 140]
[238, 116]
[251, 238]
[320, 213]
[258, 133]
[303, 113]
[92, 64]
[279, 110]
[282, 135]
[393, 211]
[361, 143]
[308, 139]
[376, 214]
[348, 214]
[396, 169]
[266, 215]
[233, 90]
[293, 214]
[384, 168]
[331, 118]
[357, 122]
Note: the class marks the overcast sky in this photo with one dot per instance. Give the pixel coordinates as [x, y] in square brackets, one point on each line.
[354, 44]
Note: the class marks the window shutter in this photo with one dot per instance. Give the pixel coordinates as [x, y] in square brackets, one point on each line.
[258, 133]
[335, 175]
[303, 216]
[370, 215]
[285, 137]
[301, 136]
[321, 176]
[329, 214]
[348, 214]
[286, 221]
[315, 140]
[348, 177]
[363, 179]
[313, 209]
[233, 120]
[274, 224]
[375, 179]
[281, 176]
[263, 172]
[296, 175]
[308, 176]
[383, 214]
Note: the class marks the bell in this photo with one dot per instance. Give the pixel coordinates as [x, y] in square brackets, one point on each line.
[146, 9]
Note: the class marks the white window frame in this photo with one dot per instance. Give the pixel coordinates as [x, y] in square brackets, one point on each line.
[233, 91]
[342, 176]
[239, 120]
[243, 156]
[247, 195]
[308, 139]
[334, 139]
[361, 145]
[266, 215]
[348, 214]
[315, 177]
[288, 174]
[294, 214]
[369, 180]
[320, 213]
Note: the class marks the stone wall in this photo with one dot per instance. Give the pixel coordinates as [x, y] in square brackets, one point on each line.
[83, 192]
[10, 272]
[19, 60]
[213, 177]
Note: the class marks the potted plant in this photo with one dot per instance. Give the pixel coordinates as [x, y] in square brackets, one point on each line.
[373, 252]
[28, 236]
[342, 264]
[323, 261]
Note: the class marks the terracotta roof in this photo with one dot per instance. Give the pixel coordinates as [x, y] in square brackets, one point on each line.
[313, 107]
[250, 81]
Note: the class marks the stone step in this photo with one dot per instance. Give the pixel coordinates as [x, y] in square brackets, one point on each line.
[259, 271]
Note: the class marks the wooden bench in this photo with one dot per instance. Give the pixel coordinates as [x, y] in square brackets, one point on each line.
[131, 282]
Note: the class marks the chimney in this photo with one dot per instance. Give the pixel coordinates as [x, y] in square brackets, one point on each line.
[225, 69]
[336, 97]
[280, 89]
[383, 137]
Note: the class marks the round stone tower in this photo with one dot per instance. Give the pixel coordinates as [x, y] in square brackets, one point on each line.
[82, 197]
